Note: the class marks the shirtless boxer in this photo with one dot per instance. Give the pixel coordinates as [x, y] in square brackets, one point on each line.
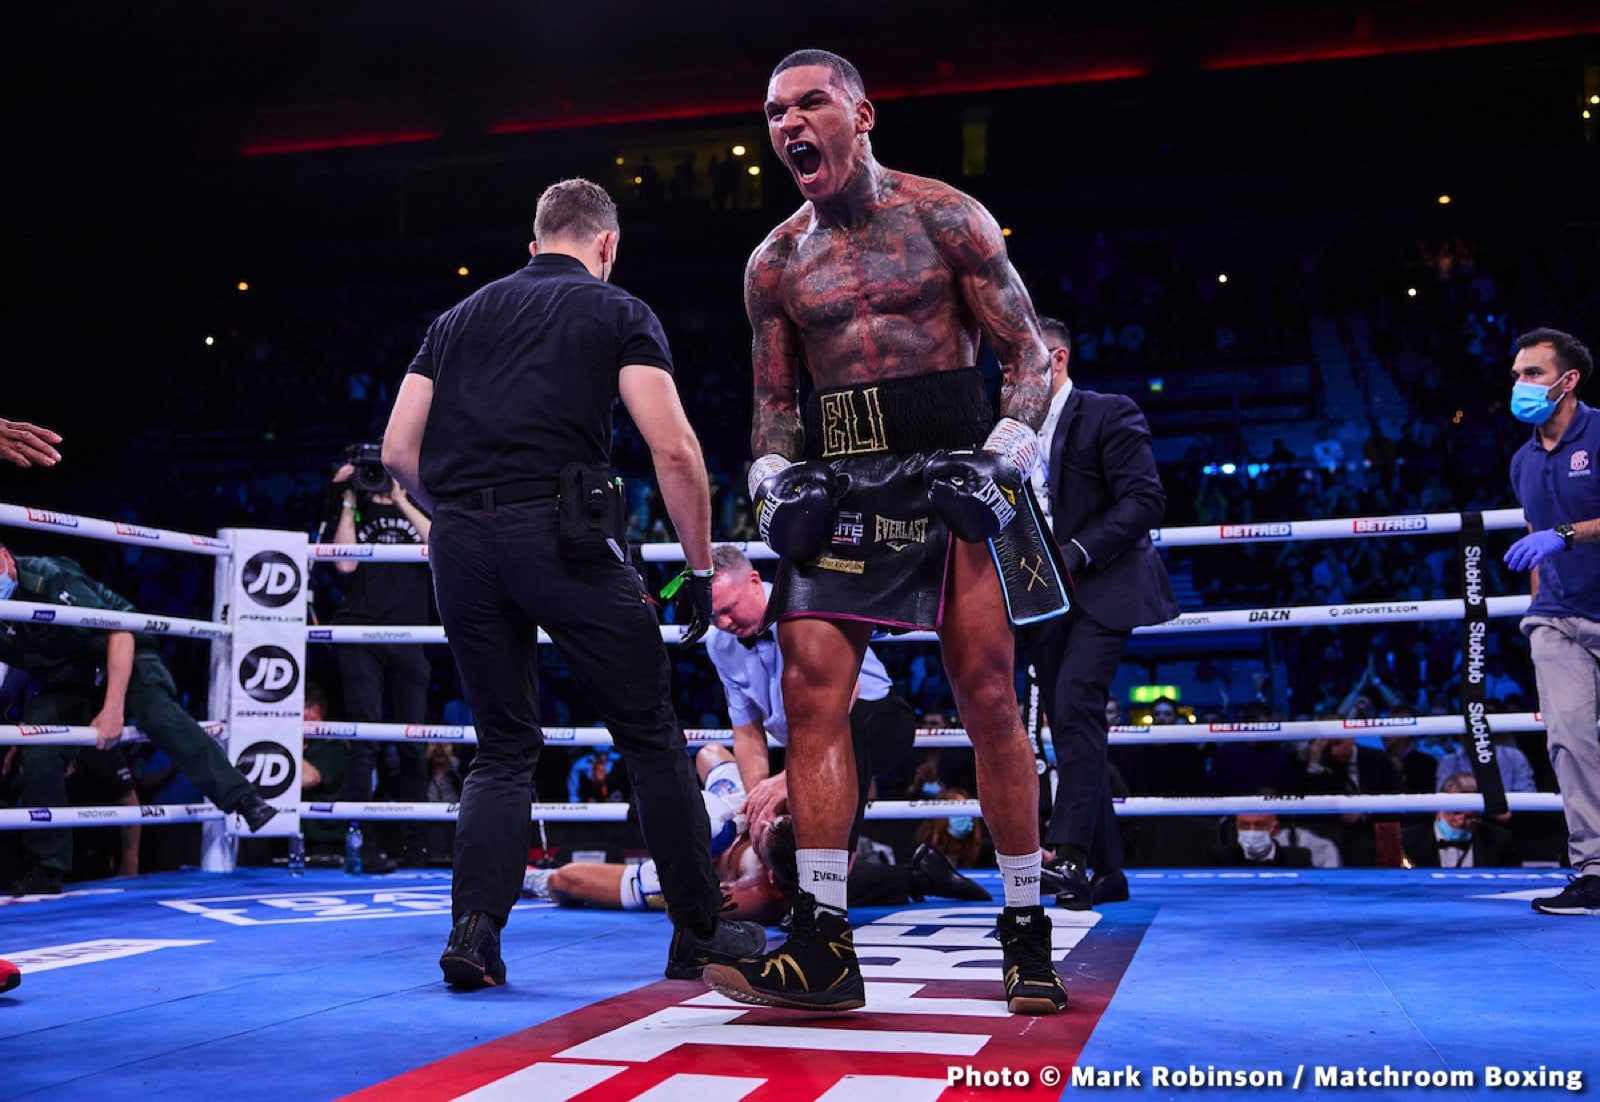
[880, 287]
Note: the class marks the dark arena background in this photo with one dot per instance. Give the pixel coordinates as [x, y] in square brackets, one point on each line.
[1303, 237]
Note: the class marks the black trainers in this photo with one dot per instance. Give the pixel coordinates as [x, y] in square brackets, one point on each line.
[1032, 985]
[38, 880]
[816, 969]
[255, 811]
[730, 941]
[933, 874]
[1109, 887]
[1581, 896]
[472, 957]
[1069, 882]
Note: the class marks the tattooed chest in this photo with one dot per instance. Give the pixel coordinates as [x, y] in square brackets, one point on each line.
[846, 285]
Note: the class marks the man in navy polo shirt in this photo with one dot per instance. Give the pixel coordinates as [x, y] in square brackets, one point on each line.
[1556, 483]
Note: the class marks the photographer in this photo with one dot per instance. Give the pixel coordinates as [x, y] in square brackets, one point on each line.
[374, 509]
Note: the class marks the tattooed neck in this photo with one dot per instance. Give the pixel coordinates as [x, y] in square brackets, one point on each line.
[854, 202]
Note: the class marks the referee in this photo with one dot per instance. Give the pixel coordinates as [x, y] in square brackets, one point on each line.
[502, 428]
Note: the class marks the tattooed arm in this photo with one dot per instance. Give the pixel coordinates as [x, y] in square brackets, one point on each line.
[774, 355]
[971, 242]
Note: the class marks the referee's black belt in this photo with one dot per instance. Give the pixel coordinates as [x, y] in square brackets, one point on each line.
[508, 493]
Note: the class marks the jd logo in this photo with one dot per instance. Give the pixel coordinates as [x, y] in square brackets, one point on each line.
[269, 674]
[271, 578]
[269, 767]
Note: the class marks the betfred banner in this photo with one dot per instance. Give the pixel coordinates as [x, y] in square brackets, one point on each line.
[258, 678]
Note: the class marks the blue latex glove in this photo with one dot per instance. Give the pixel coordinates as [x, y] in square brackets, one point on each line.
[1530, 550]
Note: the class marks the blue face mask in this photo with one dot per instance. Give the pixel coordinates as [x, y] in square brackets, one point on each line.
[932, 788]
[1531, 403]
[1453, 834]
[961, 826]
[8, 586]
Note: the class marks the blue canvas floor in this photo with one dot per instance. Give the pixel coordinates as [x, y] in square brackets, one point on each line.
[253, 986]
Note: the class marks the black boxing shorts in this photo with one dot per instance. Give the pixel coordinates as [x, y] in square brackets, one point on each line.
[889, 555]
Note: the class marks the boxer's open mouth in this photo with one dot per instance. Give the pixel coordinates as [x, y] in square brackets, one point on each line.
[806, 159]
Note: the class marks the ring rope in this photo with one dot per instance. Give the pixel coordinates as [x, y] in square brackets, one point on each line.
[1127, 735]
[113, 531]
[32, 612]
[25, 818]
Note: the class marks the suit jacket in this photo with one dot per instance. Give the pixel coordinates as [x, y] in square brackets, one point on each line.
[1491, 846]
[1105, 493]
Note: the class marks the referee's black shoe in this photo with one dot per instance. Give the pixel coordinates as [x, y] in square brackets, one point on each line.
[933, 874]
[1069, 881]
[471, 959]
[729, 941]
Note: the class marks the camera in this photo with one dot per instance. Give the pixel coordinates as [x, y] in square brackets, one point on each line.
[369, 476]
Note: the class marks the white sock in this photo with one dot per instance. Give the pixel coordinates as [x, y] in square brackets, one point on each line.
[535, 882]
[823, 873]
[1021, 876]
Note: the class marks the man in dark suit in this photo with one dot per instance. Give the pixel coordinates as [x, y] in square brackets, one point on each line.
[1457, 839]
[1102, 496]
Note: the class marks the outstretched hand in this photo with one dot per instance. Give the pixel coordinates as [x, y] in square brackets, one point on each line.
[28, 445]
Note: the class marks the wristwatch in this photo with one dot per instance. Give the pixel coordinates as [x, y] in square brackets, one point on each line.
[1565, 531]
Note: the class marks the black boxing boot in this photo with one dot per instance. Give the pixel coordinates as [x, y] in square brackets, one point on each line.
[816, 969]
[796, 504]
[1032, 983]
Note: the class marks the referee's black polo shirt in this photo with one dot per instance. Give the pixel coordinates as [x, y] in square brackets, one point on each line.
[525, 375]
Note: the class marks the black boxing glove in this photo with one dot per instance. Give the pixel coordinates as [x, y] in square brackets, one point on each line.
[795, 504]
[976, 492]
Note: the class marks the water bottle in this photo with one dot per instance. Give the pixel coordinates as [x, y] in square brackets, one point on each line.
[297, 854]
[352, 848]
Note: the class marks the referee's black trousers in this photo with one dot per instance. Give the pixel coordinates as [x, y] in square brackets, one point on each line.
[499, 577]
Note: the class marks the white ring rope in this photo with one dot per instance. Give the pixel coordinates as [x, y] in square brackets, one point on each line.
[1204, 535]
[1374, 612]
[25, 818]
[62, 734]
[1297, 731]
[32, 612]
[112, 531]
[46, 818]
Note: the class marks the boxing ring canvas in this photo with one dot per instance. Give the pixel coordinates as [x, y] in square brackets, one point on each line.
[254, 985]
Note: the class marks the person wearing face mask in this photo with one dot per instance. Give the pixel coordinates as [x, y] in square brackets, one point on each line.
[1255, 844]
[1558, 488]
[1457, 839]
